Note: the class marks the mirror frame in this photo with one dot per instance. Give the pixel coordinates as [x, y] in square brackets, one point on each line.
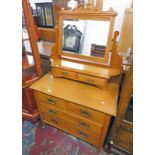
[87, 12]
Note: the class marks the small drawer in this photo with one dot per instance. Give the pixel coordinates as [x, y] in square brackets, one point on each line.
[102, 83]
[50, 100]
[64, 73]
[93, 115]
[76, 120]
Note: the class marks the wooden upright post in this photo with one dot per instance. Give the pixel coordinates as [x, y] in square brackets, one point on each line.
[99, 4]
[32, 36]
[91, 2]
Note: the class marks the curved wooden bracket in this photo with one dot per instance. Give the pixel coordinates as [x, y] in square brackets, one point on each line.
[115, 58]
[114, 41]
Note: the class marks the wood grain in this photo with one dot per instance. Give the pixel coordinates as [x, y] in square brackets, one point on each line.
[46, 34]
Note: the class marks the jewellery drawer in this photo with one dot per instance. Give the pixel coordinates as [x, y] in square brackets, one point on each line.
[50, 100]
[102, 83]
[86, 112]
[64, 73]
[69, 127]
[76, 120]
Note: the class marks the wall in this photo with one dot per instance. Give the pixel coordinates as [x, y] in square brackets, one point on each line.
[119, 6]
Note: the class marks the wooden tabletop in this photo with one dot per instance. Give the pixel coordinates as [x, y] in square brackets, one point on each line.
[44, 47]
[79, 93]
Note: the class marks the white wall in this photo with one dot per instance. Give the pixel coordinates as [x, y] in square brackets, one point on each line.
[96, 33]
[119, 6]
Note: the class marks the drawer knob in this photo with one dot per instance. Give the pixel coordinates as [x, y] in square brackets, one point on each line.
[51, 101]
[83, 124]
[52, 112]
[64, 73]
[85, 113]
[83, 134]
[54, 121]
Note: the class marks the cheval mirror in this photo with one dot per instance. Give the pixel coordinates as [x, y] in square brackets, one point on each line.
[85, 36]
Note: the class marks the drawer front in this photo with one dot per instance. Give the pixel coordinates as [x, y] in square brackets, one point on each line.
[54, 120]
[64, 73]
[69, 127]
[78, 121]
[84, 134]
[102, 83]
[84, 112]
[50, 100]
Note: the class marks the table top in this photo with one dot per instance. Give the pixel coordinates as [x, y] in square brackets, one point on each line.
[80, 93]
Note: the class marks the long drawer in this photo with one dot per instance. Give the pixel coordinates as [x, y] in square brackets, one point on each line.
[86, 112]
[69, 127]
[75, 119]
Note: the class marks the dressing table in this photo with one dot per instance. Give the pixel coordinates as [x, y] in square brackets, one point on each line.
[79, 95]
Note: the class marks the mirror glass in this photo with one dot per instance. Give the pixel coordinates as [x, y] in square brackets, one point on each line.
[85, 37]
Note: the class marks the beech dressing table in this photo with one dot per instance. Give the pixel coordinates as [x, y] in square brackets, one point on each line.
[79, 94]
[80, 109]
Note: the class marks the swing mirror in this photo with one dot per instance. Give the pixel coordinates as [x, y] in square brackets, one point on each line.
[86, 34]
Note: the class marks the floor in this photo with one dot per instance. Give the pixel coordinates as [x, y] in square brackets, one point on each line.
[37, 140]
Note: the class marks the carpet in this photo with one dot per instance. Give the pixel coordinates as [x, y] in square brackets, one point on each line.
[37, 140]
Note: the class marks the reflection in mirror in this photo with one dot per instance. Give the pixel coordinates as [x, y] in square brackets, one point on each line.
[85, 37]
